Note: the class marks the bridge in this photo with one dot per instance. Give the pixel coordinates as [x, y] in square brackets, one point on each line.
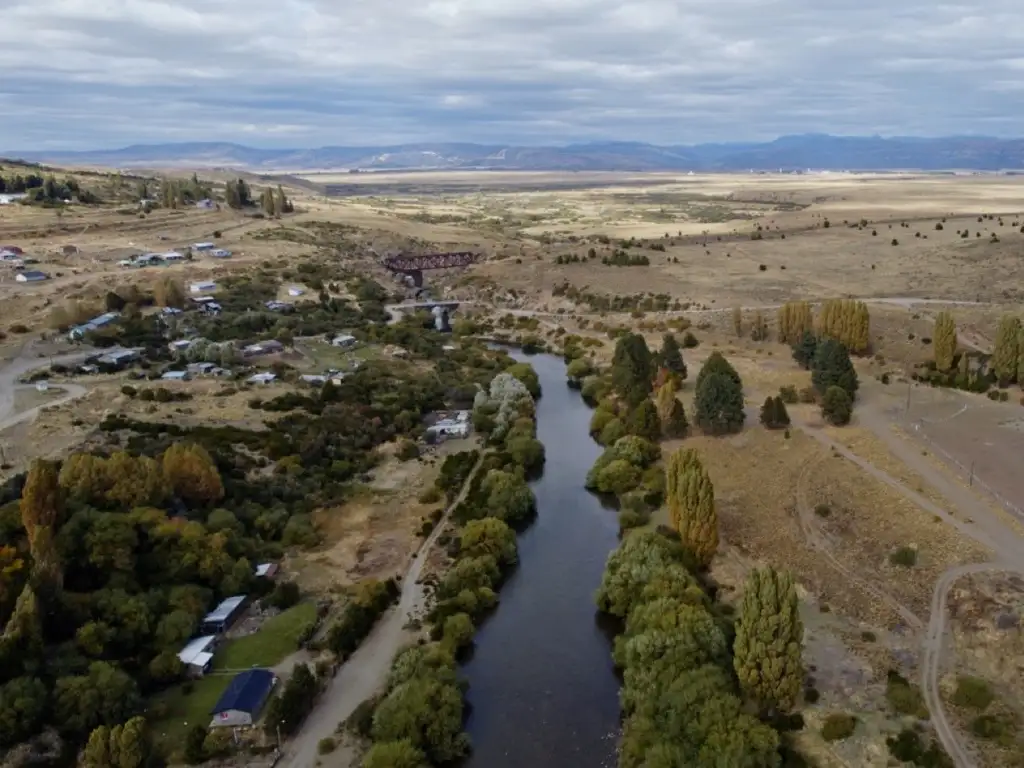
[414, 265]
[442, 310]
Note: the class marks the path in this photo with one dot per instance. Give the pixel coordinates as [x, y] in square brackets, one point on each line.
[366, 670]
[18, 367]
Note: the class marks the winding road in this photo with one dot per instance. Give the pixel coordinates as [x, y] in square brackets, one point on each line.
[25, 362]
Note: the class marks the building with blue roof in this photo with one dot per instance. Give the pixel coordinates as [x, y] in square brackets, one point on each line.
[241, 702]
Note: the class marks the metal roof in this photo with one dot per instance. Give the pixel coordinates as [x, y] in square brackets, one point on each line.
[224, 610]
[196, 649]
[246, 692]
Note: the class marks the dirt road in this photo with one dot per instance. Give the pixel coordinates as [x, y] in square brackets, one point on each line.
[25, 362]
[364, 673]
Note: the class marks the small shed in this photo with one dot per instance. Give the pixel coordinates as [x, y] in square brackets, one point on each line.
[203, 286]
[223, 616]
[198, 655]
[31, 276]
[266, 570]
[343, 340]
[241, 702]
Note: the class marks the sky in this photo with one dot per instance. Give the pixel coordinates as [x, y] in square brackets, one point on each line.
[97, 74]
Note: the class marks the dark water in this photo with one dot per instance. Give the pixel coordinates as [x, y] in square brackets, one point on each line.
[543, 692]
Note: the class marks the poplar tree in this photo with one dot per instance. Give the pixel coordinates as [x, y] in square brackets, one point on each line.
[282, 203]
[737, 321]
[944, 341]
[1006, 355]
[191, 474]
[769, 638]
[759, 327]
[671, 411]
[691, 503]
[848, 322]
[794, 319]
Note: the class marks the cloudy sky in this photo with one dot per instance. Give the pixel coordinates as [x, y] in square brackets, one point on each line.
[77, 74]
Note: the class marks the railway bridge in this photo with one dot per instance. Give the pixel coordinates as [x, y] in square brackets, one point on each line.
[414, 265]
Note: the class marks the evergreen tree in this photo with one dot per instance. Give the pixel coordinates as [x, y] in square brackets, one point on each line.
[769, 639]
[1005, 356]
[282, 204]
[768, 413]
[671, 357]
[691, 503]
[675, 426]
[837, 406]
[781, 414]
[718, 404]
[231, 195]
[944, 341]
[832, 367]
[643, 421]
[632, 371]
[804, 349]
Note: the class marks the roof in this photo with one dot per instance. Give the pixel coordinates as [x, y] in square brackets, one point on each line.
[261, 378]
[175, 375]
[246, 692]
[266, 569]
[225, 609]
[192, 653]
[33, 275]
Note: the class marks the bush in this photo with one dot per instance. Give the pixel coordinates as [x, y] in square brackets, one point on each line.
[430, 496]
[973, 692]
[904, 556]
[128, 390]
[285, 595]
[689, 340]
[838, 726]
[1001, 728]
[822, 510]
[904, 698]
[326, 746]
[788, 394]
[407, 451]
[811, 695]
[18, 328]
[808, 395]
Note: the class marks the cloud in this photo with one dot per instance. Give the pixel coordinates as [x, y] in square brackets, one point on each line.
[104, 73]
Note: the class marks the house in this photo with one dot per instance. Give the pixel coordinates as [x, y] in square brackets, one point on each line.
[266, 570]
[279, 306]
[78, 332]
[343, 340]
[197, 656]
[224, 615]
[220, 253]
[12, 249]
[203, 299]
[458, 426]
[31, 276]
[147, 259]
[204, 286]
[262, 378]
[203, 246]
[179, 345]
[314, 379]
[263, 348]
[295, 291]
[172, 256]
[241, 702]
[11, 197]
[176, 376]
[205, 204]
[10, 256]
[119, 357]
[201, 369]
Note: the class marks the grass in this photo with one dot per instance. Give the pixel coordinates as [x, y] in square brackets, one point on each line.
[277, 638]
[973, 692]
[179, 711]
[838, 726]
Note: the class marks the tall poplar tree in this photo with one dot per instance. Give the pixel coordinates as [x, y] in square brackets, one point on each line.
[944, 341]
[1006, 355]
[769, 639]
[691, 503]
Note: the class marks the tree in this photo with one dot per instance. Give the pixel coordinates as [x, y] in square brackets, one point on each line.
[296, 700]
[769, 638]
[759, 327]
[97, 750]
[191, 474]
[395, 754]
[643, 421]
[41, 507]
[781, 414]
[489, 536]
[425, 711]
[718, 403]
[282, 204]
[113, 302]
[774, 414]
[832, 367]
[794, 320]
[848, 322]
[804, 349]
[691, 503]
[671, 356]
[632, 370]
[671, 412]
[837, 406]
[104, 696]
[578, 370]
[524, 372]
[944, 341]
[169, 292]
[23, 703]
[1006, 354]
[194, 740]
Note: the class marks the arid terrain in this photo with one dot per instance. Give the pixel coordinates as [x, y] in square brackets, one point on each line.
[924, 470]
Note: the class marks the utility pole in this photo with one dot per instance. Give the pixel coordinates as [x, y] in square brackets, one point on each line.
[970, 481]
[907, 409]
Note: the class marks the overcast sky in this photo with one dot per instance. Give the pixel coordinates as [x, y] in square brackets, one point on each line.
[78, 74]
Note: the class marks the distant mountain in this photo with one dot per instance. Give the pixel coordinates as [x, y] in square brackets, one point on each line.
[809, 151]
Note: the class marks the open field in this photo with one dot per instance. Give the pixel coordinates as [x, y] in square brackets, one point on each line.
[271, 643]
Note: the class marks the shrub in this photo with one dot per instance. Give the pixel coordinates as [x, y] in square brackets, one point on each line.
[689, 340]
[1001, 728]
[811, 695]
[326, 746]
[973, 692]
[430, 496]
[822, 510]
[904, 698]
[904, 556]
[129, 390]
[868, 636]
[788, 394]
[838, 726]
[18, 328]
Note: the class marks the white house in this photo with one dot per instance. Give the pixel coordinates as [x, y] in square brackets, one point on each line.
[31, 276]
[261, 378]
[204, 286]
[198, 655]
[343, 340]
[295, 291]
[176, 376]
[203, 246]
[10, 198]
[172, 256]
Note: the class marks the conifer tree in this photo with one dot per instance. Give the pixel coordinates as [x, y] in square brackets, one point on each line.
[769, 639]
[804, 349]
[1005, 356]
[837, 406]
[717, 363]
[671, 357]
[781, 414]
[691, 503]
[768, 413]
[832, 367]
[718, 403]
[675, 426]
[944, 341]
[643, 421]
[282, 204]
[632, 371]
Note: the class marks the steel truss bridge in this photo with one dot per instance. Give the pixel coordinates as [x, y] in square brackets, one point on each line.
[415, 264]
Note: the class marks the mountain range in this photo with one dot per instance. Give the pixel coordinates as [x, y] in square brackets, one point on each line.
[807, 151]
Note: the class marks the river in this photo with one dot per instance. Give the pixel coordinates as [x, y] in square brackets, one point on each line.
[543, 691]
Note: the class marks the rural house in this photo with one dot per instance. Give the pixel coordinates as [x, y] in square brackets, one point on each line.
[343, 340]
[198, 655]
[31, 276]
[241, 702]
[261, 378]
[203, 246]
[203, 286]
[263, 348]
[224, 615]
[220, 253]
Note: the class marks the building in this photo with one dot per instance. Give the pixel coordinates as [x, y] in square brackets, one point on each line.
[263, 348]
[197, 656]
[224, 615]
[31, 276]
[241, 702]
[266, 570]
[262, 378]
[211, 308]
[343, 340]
[172, 256]
[12, 249]
[42, 386]
[179, 345]
[295, 291]
[201, 369]
[9, 198]
[279, 306]
[450, 427]
[204, 286]
[170, 311]
[314, 379]
[220, 253]
[203, 246]
[176, 376]
[118, 358]
[78, 332]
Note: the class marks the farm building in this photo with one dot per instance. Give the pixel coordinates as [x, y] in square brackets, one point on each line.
[263, 348]
[204, 286]
[245, 696]
[12, 249]
[10, 198]
[343, 340]
[198, 655]
[279, 306]
[266, 570]
[179, 345]
[223, 616]
[31, 277]
[295, 291]
[203, 246]
[117, 358]
[261, 378]
[172, 256]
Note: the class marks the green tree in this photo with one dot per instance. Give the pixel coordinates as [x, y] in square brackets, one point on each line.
[837, 406]
[716, 363]
[425, 711]
[1006, 354]
[195, 738]
[282, 203]
[457, 632]
[832, 367]
[525, 373]
[804, 349]
[579, 369]
[671, 356]
[96, 753]
[611, 432]
[643, 421]
[691, 503]
[718, 404]
[774, 414]
[296, 700]
[489, 536]
[671, 411]
[617, 477]
[632, 371]
[769, 638]
[781, 414]
[944, 341]
[395, 754]
[23, 703]
[103, 696]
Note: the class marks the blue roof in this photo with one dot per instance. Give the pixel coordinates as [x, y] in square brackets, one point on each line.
[246, 692]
